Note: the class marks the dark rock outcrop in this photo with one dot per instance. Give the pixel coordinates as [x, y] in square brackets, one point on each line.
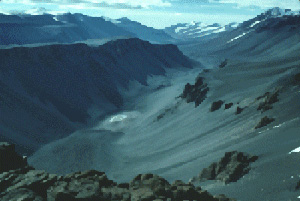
[216, 105]
[268, 99]
[264, 121]
[239, 110]
[224, 63]
[166, 111]
[228, 105]
[9, 159]
[233, 166]
[195, 93]
[26, 183]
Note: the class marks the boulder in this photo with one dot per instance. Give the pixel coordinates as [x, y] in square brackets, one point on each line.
[216, 105]
[228, 105]
[196, 93]
[268, 99]
[239, 110]
[233, 166]
[158, 185]
[264, 121]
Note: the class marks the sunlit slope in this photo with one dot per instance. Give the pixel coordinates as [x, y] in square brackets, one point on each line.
[187, 139]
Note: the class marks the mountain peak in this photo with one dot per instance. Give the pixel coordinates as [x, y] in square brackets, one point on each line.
[276, 11]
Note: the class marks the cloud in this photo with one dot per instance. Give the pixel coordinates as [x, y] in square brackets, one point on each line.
[196, 1]
[292, 4]
[118, 4]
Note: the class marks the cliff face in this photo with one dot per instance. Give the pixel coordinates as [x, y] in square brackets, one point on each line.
[59, 88]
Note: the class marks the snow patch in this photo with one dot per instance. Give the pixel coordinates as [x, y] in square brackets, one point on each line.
[116, 118]
[255, 23]
[278, 126]
[297, 150]
[220, 30]
[240, 36]
[177, 30]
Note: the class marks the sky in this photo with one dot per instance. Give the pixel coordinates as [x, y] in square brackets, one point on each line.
[154, 13]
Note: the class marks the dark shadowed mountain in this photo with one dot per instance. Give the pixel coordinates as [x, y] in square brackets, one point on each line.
[143, 32]
[59, 88]
[65, 28]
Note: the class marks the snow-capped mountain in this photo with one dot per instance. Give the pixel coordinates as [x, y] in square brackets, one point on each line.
[143, 32]
[270, 18]
[269, 31]
[196, 29]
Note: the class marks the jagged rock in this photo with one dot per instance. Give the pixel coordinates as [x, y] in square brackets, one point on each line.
[35, 180]
[26, 183]
[230, 168]
[195, 93]
[268, 100]
[216, 105]
[239, 110]
[158, 185]
[264, 121]
[86, 184]
[228, 105]
[9, 159]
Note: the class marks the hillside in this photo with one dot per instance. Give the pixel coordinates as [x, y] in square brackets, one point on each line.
[57, 89]
[129, 107]
[248, 104]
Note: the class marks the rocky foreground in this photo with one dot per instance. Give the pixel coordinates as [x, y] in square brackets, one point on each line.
[18, 181]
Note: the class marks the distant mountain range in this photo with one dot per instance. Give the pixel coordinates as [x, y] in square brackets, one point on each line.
[144, 32]
[65, 28]
[69, 28]
[197, 29]
[272, 30]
